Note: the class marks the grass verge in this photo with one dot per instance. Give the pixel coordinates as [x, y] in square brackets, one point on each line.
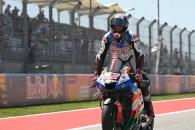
[28, 110]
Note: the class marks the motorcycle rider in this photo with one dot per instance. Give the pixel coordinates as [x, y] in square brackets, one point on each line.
[125, 50]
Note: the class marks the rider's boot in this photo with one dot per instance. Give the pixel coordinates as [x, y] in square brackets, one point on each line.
[148, 107]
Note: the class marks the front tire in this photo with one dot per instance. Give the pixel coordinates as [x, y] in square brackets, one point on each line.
[107, 117]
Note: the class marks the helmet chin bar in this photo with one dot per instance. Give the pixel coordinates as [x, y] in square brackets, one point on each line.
[117, 35]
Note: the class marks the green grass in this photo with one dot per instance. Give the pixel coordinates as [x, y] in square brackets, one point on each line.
[28, 110]
[174, 96]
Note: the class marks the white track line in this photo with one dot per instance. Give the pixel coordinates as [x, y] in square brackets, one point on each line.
[177, 112]
[169, 100]
[158, 115]
[86, 127]
[50, 113]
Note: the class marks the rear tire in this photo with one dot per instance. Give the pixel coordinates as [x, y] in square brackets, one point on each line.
[151, 125]
[107, 117]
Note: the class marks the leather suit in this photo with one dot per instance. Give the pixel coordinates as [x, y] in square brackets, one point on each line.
[124, 52]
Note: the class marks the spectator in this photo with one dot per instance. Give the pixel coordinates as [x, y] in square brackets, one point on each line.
[29, 31]
[8, 22]
[7, 10]
[31, 58]
[165, 50]
[175, 54]
[186, 57]
[44, 27]
[31, 55]
[41, 16]
[15, 12]
[177, 62]
[42, 32]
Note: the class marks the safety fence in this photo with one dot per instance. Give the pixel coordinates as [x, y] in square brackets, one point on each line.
[23, 89]
[176, 45]
[42, 44]
[60, 57]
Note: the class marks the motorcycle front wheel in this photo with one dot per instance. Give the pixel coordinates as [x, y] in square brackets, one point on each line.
[107, 117]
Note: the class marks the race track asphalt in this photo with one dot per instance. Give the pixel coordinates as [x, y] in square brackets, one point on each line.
[174, 121]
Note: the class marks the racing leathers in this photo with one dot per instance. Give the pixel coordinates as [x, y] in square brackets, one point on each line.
[125, 51]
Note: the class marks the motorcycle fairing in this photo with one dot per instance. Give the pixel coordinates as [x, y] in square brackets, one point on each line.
[137, 103]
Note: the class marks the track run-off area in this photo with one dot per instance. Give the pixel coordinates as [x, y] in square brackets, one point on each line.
[177, 114]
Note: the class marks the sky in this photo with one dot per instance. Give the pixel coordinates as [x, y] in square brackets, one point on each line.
[174, 12]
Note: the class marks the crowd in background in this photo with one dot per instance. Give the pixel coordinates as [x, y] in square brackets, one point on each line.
[13, 13]
[38, 26]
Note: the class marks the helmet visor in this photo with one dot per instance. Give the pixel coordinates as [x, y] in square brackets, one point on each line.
[118, 22]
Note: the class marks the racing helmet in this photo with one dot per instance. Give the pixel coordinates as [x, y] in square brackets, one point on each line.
[119, 23]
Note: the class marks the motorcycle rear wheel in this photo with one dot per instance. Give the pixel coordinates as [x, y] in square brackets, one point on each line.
[150, 125]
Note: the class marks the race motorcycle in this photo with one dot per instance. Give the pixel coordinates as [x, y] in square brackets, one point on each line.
[123, 105]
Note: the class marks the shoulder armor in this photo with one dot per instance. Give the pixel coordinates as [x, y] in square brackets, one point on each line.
[134, 37]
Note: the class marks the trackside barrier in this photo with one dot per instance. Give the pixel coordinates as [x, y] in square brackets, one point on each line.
[30, 89]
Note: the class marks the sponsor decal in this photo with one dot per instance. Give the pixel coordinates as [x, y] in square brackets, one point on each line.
[36, 87]
[77, 87]
[137, 103]
[123, 85]
[3, 90]
[55, 87]
[122, 50]
[3, 86]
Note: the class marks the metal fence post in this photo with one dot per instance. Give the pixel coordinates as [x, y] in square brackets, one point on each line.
[129, 16]
[189, 49]
[74, 34]
[25, 38]
[138, 24]
[1, 6]
[91, 22]
[180, 43]
[51, 36]
[72, 37]
[92, 31]
[161, 28]
[171, 47]
[58, 13]
[161, 44]
[150, 41]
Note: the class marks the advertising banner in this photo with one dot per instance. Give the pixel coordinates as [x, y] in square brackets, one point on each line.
[30, 89]
[77, 87]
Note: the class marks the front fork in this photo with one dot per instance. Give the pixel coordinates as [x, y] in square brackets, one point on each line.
[119, 112]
